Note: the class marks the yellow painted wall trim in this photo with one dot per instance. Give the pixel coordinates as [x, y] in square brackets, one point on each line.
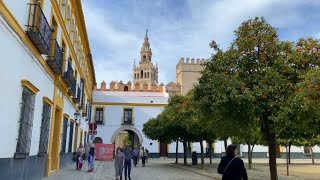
[73, 121]
[47, 100]
[127, 104]
[62, 24]
[13, 22]
[66, 115]
[29, 85]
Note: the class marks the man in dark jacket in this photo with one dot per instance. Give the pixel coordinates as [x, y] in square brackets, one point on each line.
[127, 161]
[232, 167]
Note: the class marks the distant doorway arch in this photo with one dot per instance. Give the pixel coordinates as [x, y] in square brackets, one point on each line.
[126, 88]
[127, 128]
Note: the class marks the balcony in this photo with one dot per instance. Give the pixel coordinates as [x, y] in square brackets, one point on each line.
[38, 29]
[56, 59]
[77, 98]
[127, 121]
[70, 80]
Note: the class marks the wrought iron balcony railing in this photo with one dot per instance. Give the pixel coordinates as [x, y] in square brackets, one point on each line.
[70, 80]
[127, 121]
[76, 99]
[56, 59]
[38, 29]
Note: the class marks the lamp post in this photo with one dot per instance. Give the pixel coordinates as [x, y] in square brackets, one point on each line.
[76, 115]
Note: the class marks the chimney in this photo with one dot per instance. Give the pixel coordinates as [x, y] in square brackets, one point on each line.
[137, 87]
[103, 86]
[121, 86]
[112, 85]
[145, 87]
[154, 87]
[129, 85]
[161, 87]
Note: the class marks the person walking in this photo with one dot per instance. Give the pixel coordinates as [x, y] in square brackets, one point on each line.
[135, 156]
[143, 155]
[147, 155]
[232, 167]
[91, 158]
[127, 161]
[119, 163]
[80, 152]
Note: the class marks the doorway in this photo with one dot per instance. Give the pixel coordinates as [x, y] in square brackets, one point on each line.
[163, 149]
[75, 142]
[278, 152]
[56, 140]
[126, 137]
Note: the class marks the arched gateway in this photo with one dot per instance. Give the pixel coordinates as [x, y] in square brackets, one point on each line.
[127, 128]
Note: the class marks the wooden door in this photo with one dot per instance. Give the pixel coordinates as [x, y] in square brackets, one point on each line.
[163, 149]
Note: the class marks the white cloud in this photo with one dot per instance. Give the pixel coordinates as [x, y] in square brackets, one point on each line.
[181, 30]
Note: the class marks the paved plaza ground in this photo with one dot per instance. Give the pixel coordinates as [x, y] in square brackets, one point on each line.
[165, 169]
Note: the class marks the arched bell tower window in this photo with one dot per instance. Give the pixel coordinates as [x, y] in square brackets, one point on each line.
[144, 58]
[141, 76]
[126, 88]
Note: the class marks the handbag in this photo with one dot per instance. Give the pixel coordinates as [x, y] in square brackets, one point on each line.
[228, 165]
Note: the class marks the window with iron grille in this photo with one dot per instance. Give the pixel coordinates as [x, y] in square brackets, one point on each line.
[127, 116]
[64, 135]
[70, 137]
[45, 128]
[99, 115]
[26, 122]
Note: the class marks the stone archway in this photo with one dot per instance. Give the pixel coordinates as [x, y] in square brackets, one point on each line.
[127, 128]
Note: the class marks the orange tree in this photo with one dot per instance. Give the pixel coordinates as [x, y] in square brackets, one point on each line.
[249, 82]
[172, 124]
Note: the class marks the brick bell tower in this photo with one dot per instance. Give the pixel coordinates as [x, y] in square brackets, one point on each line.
[145, 72]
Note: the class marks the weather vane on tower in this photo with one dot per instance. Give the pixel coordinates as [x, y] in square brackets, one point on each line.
[147, 32]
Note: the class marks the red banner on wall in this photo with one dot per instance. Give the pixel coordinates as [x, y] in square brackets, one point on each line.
[104, 152]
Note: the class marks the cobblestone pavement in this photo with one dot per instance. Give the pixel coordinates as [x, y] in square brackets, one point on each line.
[154, 170]
[164, 169]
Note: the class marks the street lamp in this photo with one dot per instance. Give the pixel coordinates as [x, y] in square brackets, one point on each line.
[76, 115]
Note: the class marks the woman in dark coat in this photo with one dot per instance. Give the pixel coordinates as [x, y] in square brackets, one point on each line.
[231, 167]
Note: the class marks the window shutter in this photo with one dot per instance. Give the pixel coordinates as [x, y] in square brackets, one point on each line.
[45, 128]
[70, 137]
[26, 123]
[64, 135]
[81, 93]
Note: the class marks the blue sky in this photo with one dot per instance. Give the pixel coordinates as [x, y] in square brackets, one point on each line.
[182, 28]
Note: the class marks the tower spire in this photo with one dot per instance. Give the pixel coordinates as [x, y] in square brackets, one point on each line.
[147, 32]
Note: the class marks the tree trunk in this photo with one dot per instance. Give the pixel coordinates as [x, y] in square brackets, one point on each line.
[210, 152]
[251, 152]
[290, 152]
[287, 159]
[225, 144]
[185, 153]
[202, 154]
[249, 155]
[177, 145]
[272, 155]
[312, 155]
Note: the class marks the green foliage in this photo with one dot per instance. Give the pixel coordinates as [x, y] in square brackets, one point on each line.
[261, 84]
[126, 140]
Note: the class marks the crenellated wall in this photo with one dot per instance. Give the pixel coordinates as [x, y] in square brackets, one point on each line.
[188, 71]
[138, 87]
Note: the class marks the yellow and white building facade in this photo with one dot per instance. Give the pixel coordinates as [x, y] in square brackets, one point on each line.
[47, 77]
